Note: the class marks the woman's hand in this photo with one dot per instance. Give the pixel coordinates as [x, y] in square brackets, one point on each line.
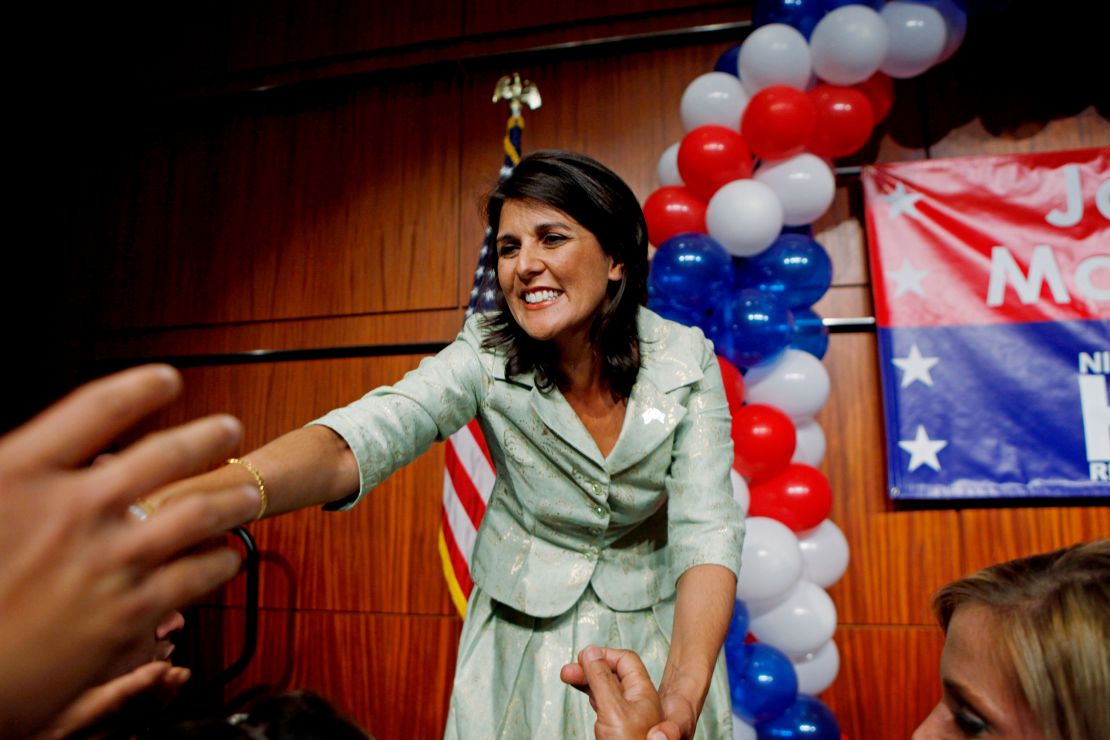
[680, 717]
[621, 692]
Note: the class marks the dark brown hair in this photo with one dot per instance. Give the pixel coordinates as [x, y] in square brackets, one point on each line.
[594, 196]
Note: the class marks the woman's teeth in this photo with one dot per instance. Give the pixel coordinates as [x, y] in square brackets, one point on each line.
[540, 296]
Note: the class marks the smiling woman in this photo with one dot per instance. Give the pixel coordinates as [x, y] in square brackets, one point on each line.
[570, 237]
[1027, 649]
[611, 520]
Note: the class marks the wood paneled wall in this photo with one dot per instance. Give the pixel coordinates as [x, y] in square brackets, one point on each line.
[344, 212]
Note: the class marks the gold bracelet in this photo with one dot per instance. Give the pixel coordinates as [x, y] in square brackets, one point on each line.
[257, 479]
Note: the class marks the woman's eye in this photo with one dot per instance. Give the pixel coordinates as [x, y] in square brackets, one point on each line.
[969, 724]
[551, 239]
[506, 250]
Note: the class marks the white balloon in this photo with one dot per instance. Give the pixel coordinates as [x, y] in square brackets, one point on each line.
[817, 670]
[955, 23]
[740, 491]
[917, 36]
[745, 216]
[849, 44]
[810, 448]
[714, 98]
[741, 730]
[775, 54]
[824, 554]
[668, 167]
[797, 383]
[804, 184]
[770, 561]
[799, 624]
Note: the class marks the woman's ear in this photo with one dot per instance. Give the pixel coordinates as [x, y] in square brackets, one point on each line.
[616, 270]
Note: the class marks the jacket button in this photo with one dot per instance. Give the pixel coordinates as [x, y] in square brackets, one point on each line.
[595, 531]
[600, 511]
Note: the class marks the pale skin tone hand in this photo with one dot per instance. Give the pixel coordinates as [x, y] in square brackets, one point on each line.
[82, 582]
[702, 612]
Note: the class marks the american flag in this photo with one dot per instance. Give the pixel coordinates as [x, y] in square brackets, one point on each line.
[469, 475]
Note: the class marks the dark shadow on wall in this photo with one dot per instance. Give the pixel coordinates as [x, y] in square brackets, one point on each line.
[1020, 67]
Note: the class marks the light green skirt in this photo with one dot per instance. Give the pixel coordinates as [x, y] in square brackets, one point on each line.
[507, 677]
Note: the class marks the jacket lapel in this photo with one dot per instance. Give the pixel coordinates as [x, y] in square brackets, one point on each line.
[651, 417]
[559, 417]
[653, 413]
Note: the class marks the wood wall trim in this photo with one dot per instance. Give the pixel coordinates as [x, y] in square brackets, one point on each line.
[661, 27]
[336, 332]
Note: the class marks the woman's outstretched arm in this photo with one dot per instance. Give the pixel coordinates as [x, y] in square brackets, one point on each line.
[306, 467]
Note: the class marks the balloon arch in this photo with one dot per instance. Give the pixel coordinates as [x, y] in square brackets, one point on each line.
[736, 257]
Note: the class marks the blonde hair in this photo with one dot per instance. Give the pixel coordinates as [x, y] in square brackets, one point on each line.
[1053, 611]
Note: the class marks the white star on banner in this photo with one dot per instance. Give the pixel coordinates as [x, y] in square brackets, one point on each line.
[902, 202]
[923, 451]
[915, 367]
[908, 279]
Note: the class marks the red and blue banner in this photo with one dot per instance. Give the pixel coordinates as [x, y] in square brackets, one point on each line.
[991, 278]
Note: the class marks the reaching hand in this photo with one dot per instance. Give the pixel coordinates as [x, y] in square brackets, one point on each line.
[620, 691]
[152, 685]
[81, 581]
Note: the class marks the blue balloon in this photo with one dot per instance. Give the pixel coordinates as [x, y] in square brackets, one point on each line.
[810, 333]
[681, 314]
[751, 328]
[737, 628]
[806, 719]
[801, 14]
[762, 682]
[834, 4]
[803, 229]
[691, 270]
[955, 20]
[795, 268]
[729, 61]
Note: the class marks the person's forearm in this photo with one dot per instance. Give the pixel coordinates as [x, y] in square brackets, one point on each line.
[306, 467]
[702, 611]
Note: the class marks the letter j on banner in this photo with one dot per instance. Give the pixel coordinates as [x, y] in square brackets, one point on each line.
[991, 278]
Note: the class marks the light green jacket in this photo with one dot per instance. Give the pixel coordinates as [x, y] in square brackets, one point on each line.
[561, 516]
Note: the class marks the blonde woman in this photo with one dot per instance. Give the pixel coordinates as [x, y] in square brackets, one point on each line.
[1027, 649]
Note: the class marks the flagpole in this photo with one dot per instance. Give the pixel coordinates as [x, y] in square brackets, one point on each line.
[459, 521]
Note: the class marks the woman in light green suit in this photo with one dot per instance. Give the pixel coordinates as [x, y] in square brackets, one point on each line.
[611, 521]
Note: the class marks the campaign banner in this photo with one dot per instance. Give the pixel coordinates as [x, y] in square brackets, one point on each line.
[991, 279]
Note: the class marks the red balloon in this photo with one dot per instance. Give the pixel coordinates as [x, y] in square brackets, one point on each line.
[844, 121]
[763, 441]
[673, 210]
[734, 385]
[799, 497]
[710, 156]
[879, 89]
[778, 122]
